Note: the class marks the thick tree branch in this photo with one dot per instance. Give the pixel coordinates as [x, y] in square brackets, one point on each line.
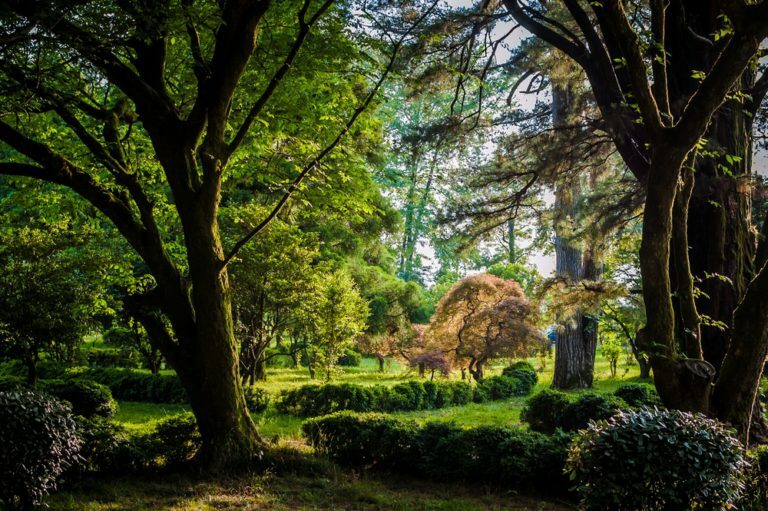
[304, 28]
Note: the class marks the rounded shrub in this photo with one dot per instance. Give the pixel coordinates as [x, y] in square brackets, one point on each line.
[256, 399]
[589, 406]
[350, 358]
[108, 448]
[649, 460]
[637, 394]
[87, 397]
[176, 439]
[544, 411]
[40, 442]
[368, 439]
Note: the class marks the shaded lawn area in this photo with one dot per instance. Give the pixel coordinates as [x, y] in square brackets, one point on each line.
[340, 491]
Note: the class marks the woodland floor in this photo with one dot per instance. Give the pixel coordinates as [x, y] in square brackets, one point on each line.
[342, 491]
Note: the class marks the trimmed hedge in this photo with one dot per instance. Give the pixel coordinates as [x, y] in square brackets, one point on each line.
[314, 400]
[87, 397]
[509, 457]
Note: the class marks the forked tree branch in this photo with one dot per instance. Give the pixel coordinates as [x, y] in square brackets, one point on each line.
[317, 160]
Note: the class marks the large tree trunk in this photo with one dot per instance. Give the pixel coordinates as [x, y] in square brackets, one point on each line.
[577, 335]
[212, 379]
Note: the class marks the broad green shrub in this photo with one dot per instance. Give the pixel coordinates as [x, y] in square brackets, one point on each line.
[176, 439]
[523, 371]
[87, 397]
[256, 399]
[637, 395]
[550, 410]
[513, 457]
[589, 406]
[108, 448]
[364, 440]
[543, 412]
[350, 358]
[40, 442]
[497, 388]
[650, 459]
[136, 385]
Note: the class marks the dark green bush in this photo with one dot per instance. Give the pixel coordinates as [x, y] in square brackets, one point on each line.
[543, 412]
[650, 459]
[108, 448]
[523, 371]
[589, 406]
[177, 439]
[256, 399]
[135, 385]
[364, 440]
[40, 442]
[497, 388]
[509, 457]
[637, 394]
[550, 410]
[350, 358]
[87, 397]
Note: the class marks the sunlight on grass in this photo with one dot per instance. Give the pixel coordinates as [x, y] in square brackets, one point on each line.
[142, 417]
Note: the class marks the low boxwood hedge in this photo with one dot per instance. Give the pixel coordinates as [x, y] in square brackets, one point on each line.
[314, 400]
[509, 457]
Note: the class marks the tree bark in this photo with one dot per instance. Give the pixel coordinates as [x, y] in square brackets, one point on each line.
[577, 336]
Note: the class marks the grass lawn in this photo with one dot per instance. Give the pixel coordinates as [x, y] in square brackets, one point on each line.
[138, 417]
[339, 491]
[334, 488]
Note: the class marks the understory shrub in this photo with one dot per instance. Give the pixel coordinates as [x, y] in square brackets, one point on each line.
[755, 494]
[108, 448]
[314, 400]
[637, 394]
[87, 397]
[523, 371]
[505, 456]
[550, 410]
[256, 399]
[350, 358]
[40, 442]
[650, 460]
[135, 385]
[176, 439]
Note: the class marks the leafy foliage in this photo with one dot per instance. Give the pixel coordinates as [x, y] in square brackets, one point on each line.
[656, 459]
[40, 442]
[87, 397]
[483, 317]
[509, 457]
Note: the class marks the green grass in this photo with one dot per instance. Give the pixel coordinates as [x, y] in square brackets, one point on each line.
[141, 417]
[336, 491]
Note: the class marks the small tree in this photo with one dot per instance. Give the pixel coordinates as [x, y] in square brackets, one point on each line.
[334, 315]
[133, 337]
[484, 317]
[49, 294]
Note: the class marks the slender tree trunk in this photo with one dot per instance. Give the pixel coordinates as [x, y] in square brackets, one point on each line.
[380, 358]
